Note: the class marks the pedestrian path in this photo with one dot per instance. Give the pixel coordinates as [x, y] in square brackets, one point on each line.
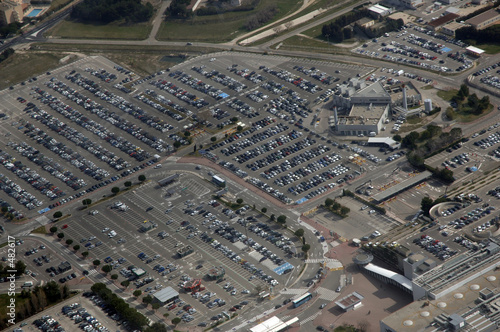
[92, 272]
[320, 260]
[310, 318]
[294, 291]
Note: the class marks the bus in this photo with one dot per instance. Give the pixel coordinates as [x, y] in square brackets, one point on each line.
[301, 300]
[219, 181]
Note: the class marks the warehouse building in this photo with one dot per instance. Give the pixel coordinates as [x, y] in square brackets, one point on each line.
[484, 20]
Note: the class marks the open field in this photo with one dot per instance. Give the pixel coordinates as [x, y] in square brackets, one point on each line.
[73, 29]
[55, 4]
[21, 66]
[297, 43]
[219, 28]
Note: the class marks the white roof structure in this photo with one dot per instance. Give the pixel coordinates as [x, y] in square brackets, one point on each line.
[165, 294]
[267, 325]
[380, 10]
[474, 50]
[383, 140]
[400, 279]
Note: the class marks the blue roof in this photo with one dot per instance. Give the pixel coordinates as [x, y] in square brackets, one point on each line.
[282, 268]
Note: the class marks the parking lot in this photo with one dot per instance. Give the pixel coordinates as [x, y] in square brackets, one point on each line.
[191, 223]
[421, 47]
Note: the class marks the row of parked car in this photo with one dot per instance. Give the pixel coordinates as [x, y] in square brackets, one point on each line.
[48, 164]
[105, 114]
[485, 70]
[293, 78]
[47, 323]
[318, 74]
[291, 104]
[436, 247]
[181, 94]
[275, 237]
[219, 77]
[19, 194]
[274, 156]
[119, 102]
[268, 189]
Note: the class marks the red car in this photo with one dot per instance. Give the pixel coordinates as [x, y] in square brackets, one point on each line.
[65, 226]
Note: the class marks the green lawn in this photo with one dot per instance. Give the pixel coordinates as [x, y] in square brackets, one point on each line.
[464, 117]
[447, 94]
[20, 67]
[303, 43]
[73, 29]
[219, 28]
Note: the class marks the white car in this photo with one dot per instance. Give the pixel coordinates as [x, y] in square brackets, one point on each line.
[112, 234]
[105, 230]
[157, 166]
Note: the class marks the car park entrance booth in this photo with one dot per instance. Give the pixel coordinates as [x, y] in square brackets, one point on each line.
[166, 295]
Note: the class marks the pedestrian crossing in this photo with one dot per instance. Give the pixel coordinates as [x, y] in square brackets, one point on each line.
[320, 260]
[327, 294]
[92, 272]
[310, 318]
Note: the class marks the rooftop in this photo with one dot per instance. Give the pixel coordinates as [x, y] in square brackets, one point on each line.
[443, 19]
[349, 300]
[375, 90]
[462, 302]
[410, 182]
[487, 15]
[365, 112]
[165, 294]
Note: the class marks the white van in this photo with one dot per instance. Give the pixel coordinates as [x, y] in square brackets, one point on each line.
[27, 284]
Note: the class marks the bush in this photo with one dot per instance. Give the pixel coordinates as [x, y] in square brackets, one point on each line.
[299, 232]
[57, 215]
[263, 210]
[115, 190]
[69, 242]
[53, 229]
[142, 178]
[239, 200]
[60, 235]
[213, 139]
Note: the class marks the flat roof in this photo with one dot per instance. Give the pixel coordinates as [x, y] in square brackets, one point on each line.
[410, 182]
[383, 140]
[474, 50]
[166, 294]
[378, 9]
[367, 111]
[419, 315]
[487, 15]
[452, 26]
[349, 300]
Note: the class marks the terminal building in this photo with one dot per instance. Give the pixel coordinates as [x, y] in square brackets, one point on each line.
[363, 110]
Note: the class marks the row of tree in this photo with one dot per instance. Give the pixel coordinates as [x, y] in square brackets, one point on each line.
[31, 302]
[336, 31]
[107, 11]
[6, 54]
[483, 36]
[10, 29]
[135, 318]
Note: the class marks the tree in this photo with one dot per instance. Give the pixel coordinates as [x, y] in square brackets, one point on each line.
[76, 247]
[69, 242]
[86, 202]
[239, 128]
[425, 204]
[114, 276]
[213, 138]
[156, 327]
[281, 219]
[239, 200]
[155, 307]
[85, 254]
[176, 321]
[53, 229]
[263, 210]
[329, 202]
[52, 291]
[106, 268]
[96, 262]
[344, 210]
[137, 293]
[128, 184]
[147, 300]
[20, 267]
[299, 232]
[415, 159]
[194, 148]
[142, 177]
[57, 215]
[410, 140]
[177, 144]
[187, 133]
[306, 247]
[4, 209]
[234, 119]
[115, 190]
[125, 283]
[273, 217]
[60, 235]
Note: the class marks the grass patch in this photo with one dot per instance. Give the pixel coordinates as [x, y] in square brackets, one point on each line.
[427, 87]
[40, 230]
[4, 244]
[447, 94]
[219, 28]
[78, 30]
[304, 43]
[21, 66]
[414, 120]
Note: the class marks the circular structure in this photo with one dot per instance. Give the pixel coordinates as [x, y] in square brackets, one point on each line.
[424, 314]
[408, 323]
[458, 296]
[363, 258]
[441, 304]
[474, 287]
[491, 278]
